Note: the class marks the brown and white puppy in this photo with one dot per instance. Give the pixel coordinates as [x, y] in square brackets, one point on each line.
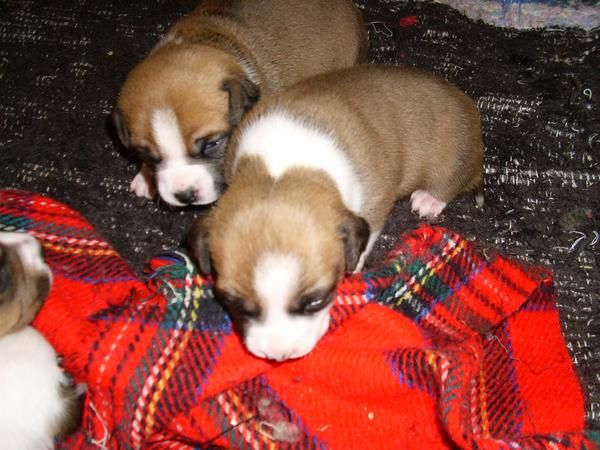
[38, 402]
[178, 106]
[314, 172]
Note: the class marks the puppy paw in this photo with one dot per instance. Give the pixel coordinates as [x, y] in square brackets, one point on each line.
[143, 186]
[80, 389]
[360, 264]
[426, 205]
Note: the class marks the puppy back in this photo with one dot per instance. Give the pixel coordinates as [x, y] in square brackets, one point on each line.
[402, 128]
[289, 40]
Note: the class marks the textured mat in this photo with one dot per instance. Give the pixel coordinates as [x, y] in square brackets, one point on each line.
[532, 13]
[61, 64]
[443, 347]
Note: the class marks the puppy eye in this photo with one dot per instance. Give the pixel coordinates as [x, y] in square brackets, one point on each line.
[145, 155]
[313, 303]
[205, 147]
[245, 312]
[235, 305]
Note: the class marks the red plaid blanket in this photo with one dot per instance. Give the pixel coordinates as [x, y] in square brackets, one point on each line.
[444, 347]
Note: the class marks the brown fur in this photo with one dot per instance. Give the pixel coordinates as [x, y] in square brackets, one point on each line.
[281, 41]
[402, 128]
[22, 292]
[312, 228]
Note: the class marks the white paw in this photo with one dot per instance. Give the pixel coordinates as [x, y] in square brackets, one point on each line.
[425, 204]
[143, 186]
[80, 389]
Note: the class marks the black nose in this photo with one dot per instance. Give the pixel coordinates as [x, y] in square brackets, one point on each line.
[186, 197]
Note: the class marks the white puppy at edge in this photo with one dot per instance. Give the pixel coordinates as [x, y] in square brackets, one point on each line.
[314, 172]
[37, 399]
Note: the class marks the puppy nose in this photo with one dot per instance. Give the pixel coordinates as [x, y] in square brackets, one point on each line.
[282, 356]
[276, 355]
[275, 352]
[186, 197]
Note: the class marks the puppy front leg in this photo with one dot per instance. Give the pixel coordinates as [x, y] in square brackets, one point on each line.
[370, 244]
[143, 183]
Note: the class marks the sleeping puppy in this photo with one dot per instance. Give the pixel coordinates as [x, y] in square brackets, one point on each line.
[177, 107]
[314, 172]
[38, 402]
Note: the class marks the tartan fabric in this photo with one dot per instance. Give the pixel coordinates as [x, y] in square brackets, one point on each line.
[445, 346]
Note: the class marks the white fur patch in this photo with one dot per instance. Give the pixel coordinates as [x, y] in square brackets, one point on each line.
[142, 185]
[176, 173]
[278, 334]
[28, 248]
[284, 143]
[276, 279]
[29, 389]
[425, 204]
[167, 135]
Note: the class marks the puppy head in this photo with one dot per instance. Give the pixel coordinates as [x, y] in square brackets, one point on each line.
[278, 259]
[24, 280]
[176, 110]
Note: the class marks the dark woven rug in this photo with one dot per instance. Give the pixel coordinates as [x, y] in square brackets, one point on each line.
[61, 64]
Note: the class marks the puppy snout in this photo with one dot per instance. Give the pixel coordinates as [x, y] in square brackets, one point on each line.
[276, 354]
[186, 197]
[278, 347]
[281, 356]
[286, 338]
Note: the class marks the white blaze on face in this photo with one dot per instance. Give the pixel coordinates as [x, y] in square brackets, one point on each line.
[177, 174]
[278, 334]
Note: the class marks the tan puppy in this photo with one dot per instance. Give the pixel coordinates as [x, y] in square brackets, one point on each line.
[38, 400]
[178, 106]
[314, 172]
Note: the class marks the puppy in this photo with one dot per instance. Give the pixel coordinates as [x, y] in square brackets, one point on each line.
[177, 107]
[38, 402]
[314, 172]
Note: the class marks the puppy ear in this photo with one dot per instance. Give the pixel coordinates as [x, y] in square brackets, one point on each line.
[197, 242]
[243, 94]
[354, 231]
[120, 126]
